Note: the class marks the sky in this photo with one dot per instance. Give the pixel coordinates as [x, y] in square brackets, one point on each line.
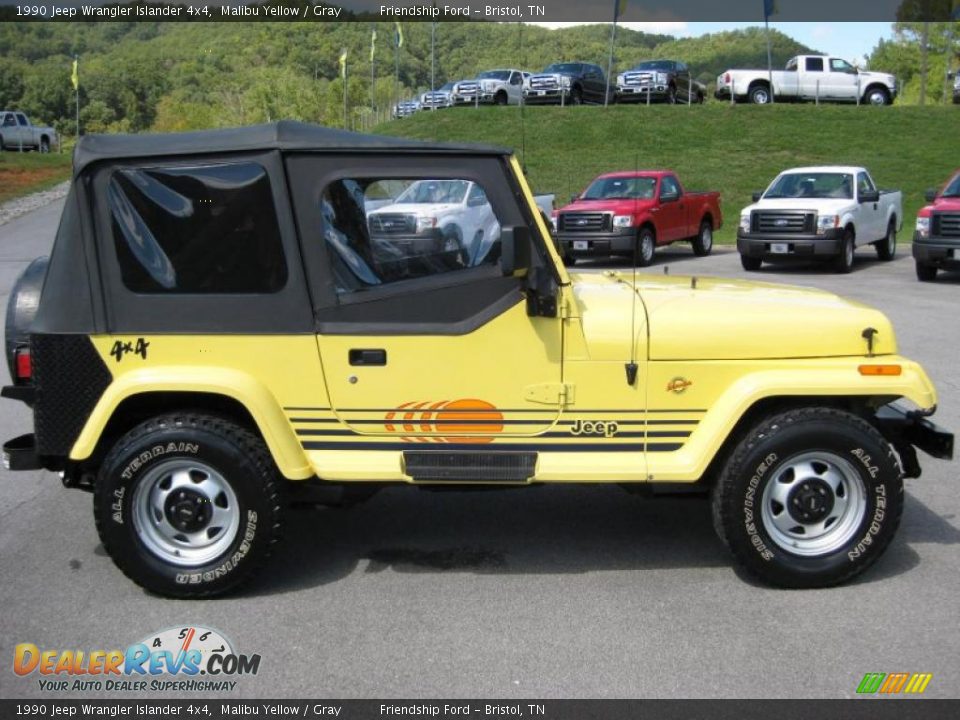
[851, 41]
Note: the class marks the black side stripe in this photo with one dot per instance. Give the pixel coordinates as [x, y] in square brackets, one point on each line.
[474, 447]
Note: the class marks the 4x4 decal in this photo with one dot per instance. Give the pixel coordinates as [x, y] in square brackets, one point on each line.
[121, 348]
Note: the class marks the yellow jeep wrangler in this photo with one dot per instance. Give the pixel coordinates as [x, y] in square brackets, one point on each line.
[231, 318]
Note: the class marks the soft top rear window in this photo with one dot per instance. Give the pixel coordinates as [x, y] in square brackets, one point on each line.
[200, 229]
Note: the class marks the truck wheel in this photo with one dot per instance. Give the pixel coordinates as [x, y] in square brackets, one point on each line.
[703, 243]
[878, 96]
[646, 247]
[500, 98]
[809, 498]
[672, 95]
[887, 248]
[750, 264]
[188, 505]
[1, 143]
[576, 97]
[843, 263]
[44, 145]
[760, 95]
[926, 273]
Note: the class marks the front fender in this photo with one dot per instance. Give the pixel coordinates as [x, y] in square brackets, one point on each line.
[240, 386]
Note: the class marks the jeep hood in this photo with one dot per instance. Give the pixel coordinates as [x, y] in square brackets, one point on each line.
[724, 319]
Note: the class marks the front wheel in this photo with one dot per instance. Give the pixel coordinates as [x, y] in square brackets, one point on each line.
[878, 96]
[188, 505]
[703, 243]
[843, 263]
[750, 264]
[887, 248]
[809, 498]
[926, 273]
[646, 246]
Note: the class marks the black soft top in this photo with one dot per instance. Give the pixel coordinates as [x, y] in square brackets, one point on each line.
[283, 135]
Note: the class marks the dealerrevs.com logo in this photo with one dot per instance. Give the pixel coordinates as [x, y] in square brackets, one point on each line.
[182, 659]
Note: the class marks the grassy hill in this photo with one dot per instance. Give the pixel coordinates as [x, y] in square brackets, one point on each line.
[736, 150]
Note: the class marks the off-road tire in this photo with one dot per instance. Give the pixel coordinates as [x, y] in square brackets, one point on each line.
[646, 247]
[750, 263]
[843, 263]
[242, 460]
[703, 242]
[887, 247]
[764, 456]
[44, 146]
[925, 272]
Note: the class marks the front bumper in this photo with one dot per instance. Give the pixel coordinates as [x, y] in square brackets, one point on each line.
[532, 97]
[907, 430]
[631, 93]
[937, 251]
[772, 246]
[598, 244]
[722, 93]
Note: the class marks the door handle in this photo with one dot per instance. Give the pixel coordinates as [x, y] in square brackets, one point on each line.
[359, 356]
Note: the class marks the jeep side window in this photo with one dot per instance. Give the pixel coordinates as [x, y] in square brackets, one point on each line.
[9, 120]
[380, 231]
[208, 229]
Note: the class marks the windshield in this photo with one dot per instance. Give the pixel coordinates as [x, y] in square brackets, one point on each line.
[434, 191]
[620, 188]
[655, 65]
[494, 75]
[811, 185]
[953, 189]
[563, 68]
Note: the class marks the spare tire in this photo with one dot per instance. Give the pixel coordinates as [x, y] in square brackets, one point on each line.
[22, 307]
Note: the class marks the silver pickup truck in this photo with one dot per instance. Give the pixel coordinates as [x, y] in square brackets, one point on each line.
[17, 133]
[499, 87]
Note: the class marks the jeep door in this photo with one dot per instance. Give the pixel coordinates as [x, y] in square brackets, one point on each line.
[672, 217]
[420, 350]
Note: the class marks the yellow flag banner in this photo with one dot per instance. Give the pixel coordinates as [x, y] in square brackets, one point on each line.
[343, 64]
[75, 76]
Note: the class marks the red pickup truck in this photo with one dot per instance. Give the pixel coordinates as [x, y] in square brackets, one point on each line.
[936, 242]
[630, 213]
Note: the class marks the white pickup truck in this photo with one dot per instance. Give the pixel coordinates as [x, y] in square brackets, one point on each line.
[819, 213]
[17, 133]
[499, 87]
[809, 77]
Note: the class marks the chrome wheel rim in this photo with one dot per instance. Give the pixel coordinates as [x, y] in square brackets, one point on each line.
[185, 512]
[760, 97]
[848, 252]
[877, 98]
[891, 239]
[646, 248]
[706, 237]
[813, 504]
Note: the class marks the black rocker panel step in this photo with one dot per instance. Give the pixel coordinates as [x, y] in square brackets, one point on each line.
[465, 466]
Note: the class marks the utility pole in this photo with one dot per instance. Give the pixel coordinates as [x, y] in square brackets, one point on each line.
[924, 42]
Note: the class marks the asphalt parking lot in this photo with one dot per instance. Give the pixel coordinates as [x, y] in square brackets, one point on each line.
[542, 592]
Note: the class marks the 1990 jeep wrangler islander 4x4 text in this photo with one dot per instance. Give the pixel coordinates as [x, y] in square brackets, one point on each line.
[214, 330]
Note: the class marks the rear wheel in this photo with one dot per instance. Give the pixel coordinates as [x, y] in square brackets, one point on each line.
[750, 264]
[703, 243]
[760, 95]
[188, 505]
[887, 248]
[44, 145]
[843, 263]
[646, 247]
[809, 498]
[925, 272]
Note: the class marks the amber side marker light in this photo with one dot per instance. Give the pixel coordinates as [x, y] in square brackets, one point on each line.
[888, 370]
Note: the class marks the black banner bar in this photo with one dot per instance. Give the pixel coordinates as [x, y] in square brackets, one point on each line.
[483, 10]
[874, 708]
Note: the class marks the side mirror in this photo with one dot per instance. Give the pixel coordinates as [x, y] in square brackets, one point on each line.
[757, 196]
[515, 245]
[669, 197]
[574, 198]
[951, 75]
[869, 196]
[930, 195]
